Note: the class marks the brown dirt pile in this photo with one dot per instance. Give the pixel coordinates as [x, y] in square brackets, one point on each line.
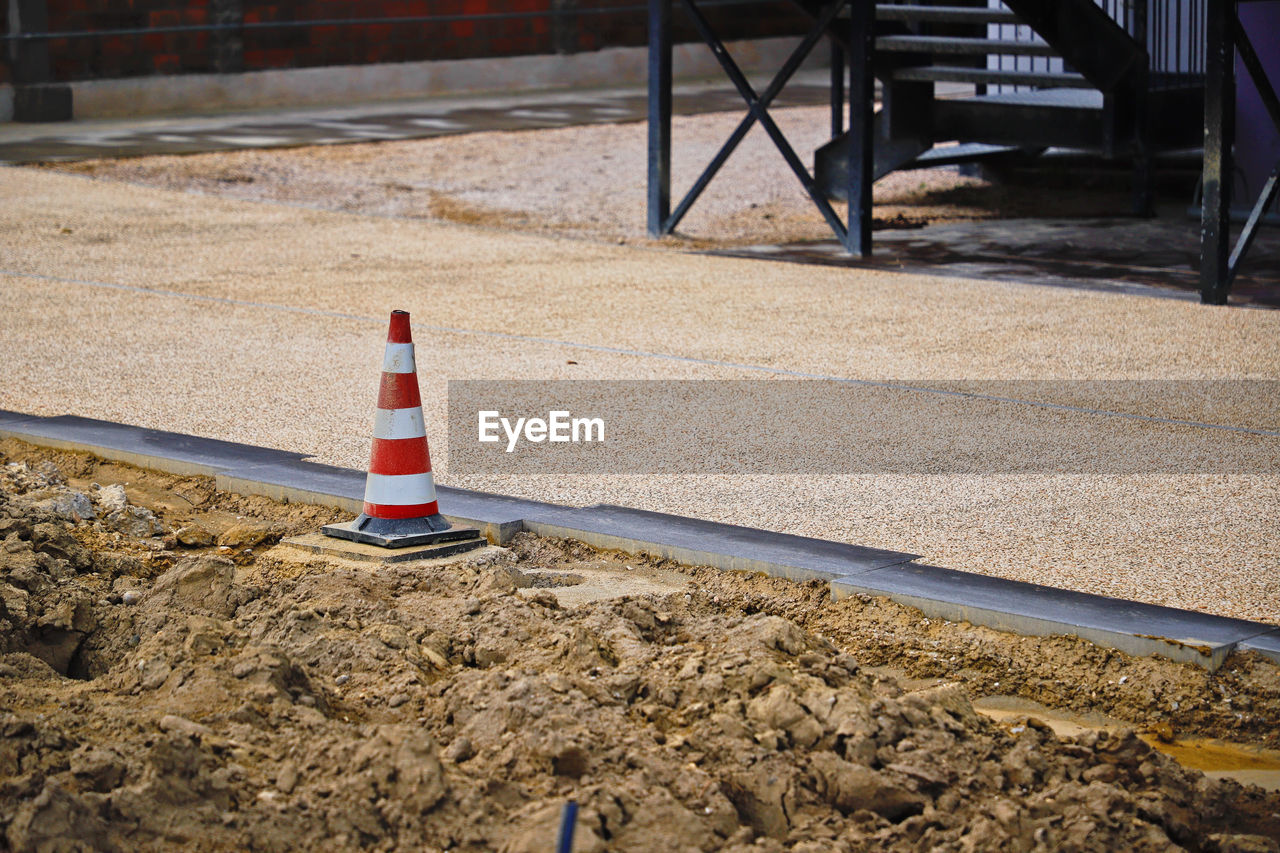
[283, 702]
[1240, 701]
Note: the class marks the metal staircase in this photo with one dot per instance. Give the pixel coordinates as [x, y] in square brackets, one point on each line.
[1074, 74]
[1121, 77]
[1124, 78]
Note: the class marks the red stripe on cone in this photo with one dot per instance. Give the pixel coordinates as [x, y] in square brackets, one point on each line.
[397, 511]
[400, 456]
[398, 333]
[399, 391]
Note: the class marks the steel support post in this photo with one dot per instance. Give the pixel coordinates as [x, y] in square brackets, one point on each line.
[857, 237]
[564, 27]
[29, 58]
[659, 205]
[837, 89]
[1143, 170]
[228, 44]
[1219, 136]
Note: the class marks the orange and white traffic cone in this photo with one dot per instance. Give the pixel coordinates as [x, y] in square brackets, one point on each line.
[400, 507]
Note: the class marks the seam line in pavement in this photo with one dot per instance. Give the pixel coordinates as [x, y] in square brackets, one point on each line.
[685, 359]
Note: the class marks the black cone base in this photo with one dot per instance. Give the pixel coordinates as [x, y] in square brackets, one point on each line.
[402, 532]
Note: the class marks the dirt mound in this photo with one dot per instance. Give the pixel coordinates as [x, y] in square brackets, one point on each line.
[1239, 702]
[282, 701]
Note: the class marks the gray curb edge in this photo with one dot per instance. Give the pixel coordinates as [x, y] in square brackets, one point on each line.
[1004, 605]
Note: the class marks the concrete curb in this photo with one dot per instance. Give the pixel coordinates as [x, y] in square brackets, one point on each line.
[1004, 605]
[1035, 610]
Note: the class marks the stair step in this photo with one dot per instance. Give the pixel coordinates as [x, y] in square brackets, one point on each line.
[946, 44]
[992, 77]
[963, 152]
[1072, 99]
[1066, 118]
[950, 14]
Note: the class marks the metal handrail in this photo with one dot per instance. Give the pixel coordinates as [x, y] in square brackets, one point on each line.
[1173, 32]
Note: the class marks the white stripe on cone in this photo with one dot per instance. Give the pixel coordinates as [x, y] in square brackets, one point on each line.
[398, 359]
[399, 423]
[399, 489]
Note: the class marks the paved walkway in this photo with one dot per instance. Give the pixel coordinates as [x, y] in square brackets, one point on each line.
[79, 140]
[265, 323]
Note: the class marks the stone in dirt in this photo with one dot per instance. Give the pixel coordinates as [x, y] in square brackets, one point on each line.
[197, 584]
[112, 499]
[853, 787]
[68, 505]
[194, 536]
[244, 536]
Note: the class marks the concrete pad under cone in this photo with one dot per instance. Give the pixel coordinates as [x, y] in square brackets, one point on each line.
[318, 543]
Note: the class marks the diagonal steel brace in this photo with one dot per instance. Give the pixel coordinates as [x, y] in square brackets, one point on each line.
[1249, 57]
[758, 110]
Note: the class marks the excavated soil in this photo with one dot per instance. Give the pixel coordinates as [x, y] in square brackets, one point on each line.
[172, 678]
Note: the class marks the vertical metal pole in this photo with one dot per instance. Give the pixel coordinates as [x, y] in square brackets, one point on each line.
[837, 89]
[1140, 145]
[564, 27]
[1219, 136]
[980, 31]
[1143, 171]
[1141, 12]
[35, 96]
[29, 57]
[228, 45]
[659, 116]
[862, 93]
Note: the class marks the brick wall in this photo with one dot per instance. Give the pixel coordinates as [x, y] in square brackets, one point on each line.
[109, 56]
[132, 55]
